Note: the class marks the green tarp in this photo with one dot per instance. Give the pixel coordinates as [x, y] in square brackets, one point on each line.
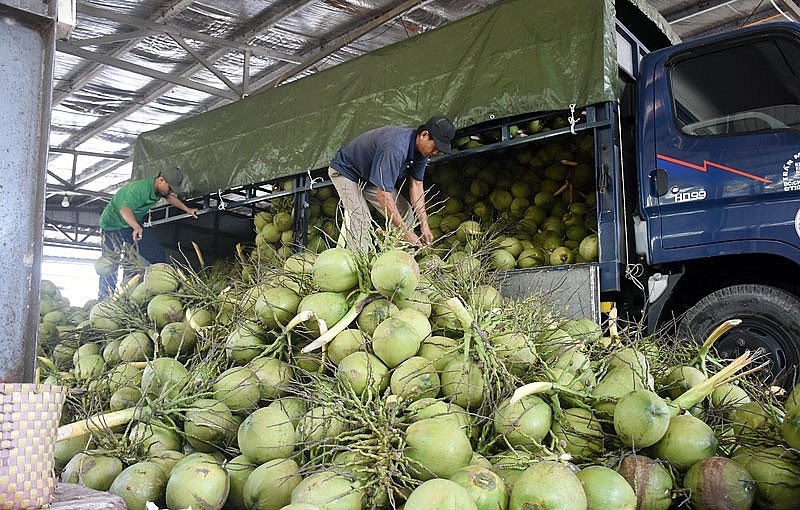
[518, 57]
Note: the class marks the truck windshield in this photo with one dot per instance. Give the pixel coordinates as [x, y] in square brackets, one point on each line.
[751, 87]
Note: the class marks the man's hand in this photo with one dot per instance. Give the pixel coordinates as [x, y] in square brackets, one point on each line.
[137, 233]
[427, 235]
[192, 211]
[412, 238]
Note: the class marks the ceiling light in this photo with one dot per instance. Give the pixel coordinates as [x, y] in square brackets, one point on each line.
[65, 201]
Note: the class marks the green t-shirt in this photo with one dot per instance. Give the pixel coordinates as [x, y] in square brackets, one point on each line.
[139, 195]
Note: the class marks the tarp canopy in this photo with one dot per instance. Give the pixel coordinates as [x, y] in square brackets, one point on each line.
[521, 56]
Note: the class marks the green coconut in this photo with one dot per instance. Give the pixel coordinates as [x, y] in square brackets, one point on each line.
[95, 469]
[776, 472]
[177, 338]
[266, 434]
[362, 370]
[270, 485]
[440, 494]
[395, 340]
[484, 486]
[395, 274]
[414, 379]
[274, 376]
[463, 383]
[345, 343]
[579, 431]
[335, 270]
[245, 342]
[436, 448]
[439, 350]
[516, 351]
[329, 491]
[790, 429]
[239, 470]
[163, 309]
[680, 379]
[606, 489]
[618, 381]
[687, 440]
[728, 396]
[104, 317]
[153, 437]
[719, 482]
[135, 346]
[641, 418]
[208, 423]
[238, 388]
[374, 313]
[435, 408]
[651, 481]
[166, 459]
[276, 306]
[328, 306]
[320, 423]
[139, 483]
[548, 485]
[525, 422]
[161, 278]
[201, 484]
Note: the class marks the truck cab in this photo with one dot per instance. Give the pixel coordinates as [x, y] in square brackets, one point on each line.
[717, 221]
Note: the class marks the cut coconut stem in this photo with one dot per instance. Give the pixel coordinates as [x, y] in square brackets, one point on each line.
[199, 254]
[129, 285]
[713, 337]
[464, 318]
[541, 387]
[326, 337]
[97, 423]
[701, 390]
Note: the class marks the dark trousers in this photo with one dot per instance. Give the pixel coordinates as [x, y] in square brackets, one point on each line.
[148, 247]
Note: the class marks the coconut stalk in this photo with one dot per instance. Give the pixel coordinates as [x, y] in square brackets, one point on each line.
[361, 301]
[542, 387]
[704, 388]
[720, 330]
[98, 423]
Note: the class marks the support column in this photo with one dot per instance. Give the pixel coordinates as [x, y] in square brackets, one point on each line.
[27, 42]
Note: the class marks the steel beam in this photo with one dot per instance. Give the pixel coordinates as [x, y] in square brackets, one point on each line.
[27, 42]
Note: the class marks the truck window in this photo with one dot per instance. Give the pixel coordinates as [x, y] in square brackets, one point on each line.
[753, 86]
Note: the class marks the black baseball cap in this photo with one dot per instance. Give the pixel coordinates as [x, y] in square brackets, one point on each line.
[174, 177]
[442, 131]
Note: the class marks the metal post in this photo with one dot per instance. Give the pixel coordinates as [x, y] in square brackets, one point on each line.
[27, 45]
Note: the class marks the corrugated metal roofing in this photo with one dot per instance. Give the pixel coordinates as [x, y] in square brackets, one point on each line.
[131, 66]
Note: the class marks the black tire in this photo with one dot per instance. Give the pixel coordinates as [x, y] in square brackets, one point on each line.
[770, 321]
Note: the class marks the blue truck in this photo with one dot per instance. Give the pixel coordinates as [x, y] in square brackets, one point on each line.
[696, 147]
[708, 162]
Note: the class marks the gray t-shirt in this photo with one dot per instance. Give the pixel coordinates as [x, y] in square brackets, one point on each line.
[382, 156]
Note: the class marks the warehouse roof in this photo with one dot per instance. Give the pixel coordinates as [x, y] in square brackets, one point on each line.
[131, 66]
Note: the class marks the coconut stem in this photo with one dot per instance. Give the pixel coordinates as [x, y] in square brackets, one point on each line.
[713, 337]
[96, 423]
[361, 301]
[541, 387]
[199, 254]
[701, 390]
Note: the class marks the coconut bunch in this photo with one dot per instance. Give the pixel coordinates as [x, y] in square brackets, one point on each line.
[275, 236]
[352, 380]
[541, 196]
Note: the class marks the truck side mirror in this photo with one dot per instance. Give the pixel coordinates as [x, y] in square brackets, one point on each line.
[658, 178]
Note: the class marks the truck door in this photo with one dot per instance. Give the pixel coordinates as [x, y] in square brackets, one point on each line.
[726, 144]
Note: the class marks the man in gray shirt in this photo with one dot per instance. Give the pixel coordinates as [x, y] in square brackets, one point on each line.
[371, 169]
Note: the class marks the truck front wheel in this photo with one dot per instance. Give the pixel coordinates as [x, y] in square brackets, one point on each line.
[770, 321]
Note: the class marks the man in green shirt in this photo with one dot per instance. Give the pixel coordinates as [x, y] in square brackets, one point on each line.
[120, 221]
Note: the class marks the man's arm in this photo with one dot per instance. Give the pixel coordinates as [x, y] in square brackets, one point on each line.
[175, 201]
[127, 215]
[416, 191]
[389, 206]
